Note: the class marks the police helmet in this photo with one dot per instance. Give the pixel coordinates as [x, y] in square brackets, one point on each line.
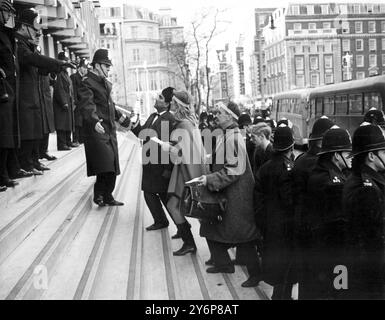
[283, 138]
[320, 126]
[336, 140]
[367, 138]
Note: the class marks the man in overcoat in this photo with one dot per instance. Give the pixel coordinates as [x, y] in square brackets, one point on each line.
[100, 141]
[232, 175]
[31, 129]
[156, 175]
[63, 108]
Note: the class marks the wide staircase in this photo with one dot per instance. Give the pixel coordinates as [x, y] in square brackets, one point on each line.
[55, 243]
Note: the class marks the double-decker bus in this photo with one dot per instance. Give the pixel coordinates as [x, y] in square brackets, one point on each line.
[345, 103]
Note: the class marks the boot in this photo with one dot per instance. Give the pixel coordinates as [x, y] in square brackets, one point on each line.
[188, 240]
[178, 235]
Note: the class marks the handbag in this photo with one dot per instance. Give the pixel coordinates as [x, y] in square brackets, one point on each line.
[200, 203]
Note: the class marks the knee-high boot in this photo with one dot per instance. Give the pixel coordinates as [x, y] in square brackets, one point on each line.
[188, 240]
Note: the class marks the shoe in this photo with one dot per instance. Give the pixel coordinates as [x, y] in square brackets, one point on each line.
[41, 167]
[22, 174]
[114, 203]
[186, 248]
[157, 226]
[36, 172]
[229, 269]
[253, 281]
[99, 201]
[237, 262]
[48, 157]
[63, 148]
[10, 183]
[177, 235]
[74, 144]
[3, 188]
[209, 262]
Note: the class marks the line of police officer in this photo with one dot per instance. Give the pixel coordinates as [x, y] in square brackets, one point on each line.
[322, 216]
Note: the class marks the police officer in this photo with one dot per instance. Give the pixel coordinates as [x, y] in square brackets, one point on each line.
[303, 166]
[275, 213]
[100, 142]
[375, 117]
[364, 207]
[326, 221]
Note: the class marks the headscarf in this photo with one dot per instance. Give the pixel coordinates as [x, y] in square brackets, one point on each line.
[185, 109]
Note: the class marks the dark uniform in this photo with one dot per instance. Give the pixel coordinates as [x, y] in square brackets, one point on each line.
[101, 148]
[325, 219]
[76, 79]
[303, 166]
[364, 206]
[156, 176]
[275, 216]
[9, 126]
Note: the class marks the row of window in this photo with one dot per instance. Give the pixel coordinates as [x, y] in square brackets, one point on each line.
[155, 80]
[313, 62]
[135, 34]
[337, 8]
[314, 79]
[358, 26]
[354, 104]
[372, 58]
[360, 44]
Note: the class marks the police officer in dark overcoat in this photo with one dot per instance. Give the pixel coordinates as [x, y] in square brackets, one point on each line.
[100, 141]
[303, 166]
[326, 220]
[364, 207]
[273, 200]
[156, 175]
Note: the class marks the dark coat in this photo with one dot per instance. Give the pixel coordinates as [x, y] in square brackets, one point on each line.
[260, 157]
[46, 102]
[76, 79]
[62, 95]
[235, 180]
[275, 217]
[29, 105]
[9, 124]
[364, 207]
[156, 176]
[96, 104]
[328, 228]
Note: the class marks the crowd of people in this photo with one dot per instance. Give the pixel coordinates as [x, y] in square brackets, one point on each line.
[39, 97]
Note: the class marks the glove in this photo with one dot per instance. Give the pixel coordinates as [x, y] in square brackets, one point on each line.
[99, 128]
[65, 107]
[2, 74]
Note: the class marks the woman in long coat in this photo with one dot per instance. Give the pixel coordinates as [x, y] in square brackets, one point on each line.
[188, 155]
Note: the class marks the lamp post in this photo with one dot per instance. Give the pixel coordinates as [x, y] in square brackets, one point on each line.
[147, 88]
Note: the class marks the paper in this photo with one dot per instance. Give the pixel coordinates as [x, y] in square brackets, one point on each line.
[156, 140]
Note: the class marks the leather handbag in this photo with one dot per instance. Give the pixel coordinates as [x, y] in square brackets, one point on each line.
[200, 203]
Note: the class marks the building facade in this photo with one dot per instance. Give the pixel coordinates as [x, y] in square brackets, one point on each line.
[143, 45]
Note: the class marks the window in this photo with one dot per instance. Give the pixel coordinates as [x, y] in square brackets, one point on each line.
[318, 106]
[328, 106]
[328, 61]
[356, 8]
[152, 57]
[324, 9]
[382, 8]
[299, 63]
[372, 60]
[313, 62]
[382, 26]
[358, 27]
[372, 100]
[297, 26]
[303, 10]
[312, 26]
[360, 61]
[372, 44]
[372, 26]
[314, 79]
[328, 46]
[360, 75]
[295, 10]
[135, 53]
[300, 80]
[134, 32]
[383, 44]
[310, 9]
[341, 104]
[298, 47]
[329, 78]
[383, 60]
[355, 103]
[359, 44]
[346, 45]
[326, 25]
[153, 84]
[150, 32]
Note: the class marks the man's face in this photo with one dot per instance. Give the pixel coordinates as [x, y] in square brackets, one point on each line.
[160, 103]
[83, 71]
[222, 117]
[4, 16]
[103, 69]
[256, 139]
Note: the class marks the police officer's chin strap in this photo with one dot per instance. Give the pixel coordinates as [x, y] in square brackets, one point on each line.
[101, 68]
[383, 164]
[343, 159]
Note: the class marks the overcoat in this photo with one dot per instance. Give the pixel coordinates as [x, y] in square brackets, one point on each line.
[46, 102]
[62, 95]
[231, 174]
[191, 162]
[76, 79]
[9, 124]
[363, 202]
[156, 175]
[29, 103]
[275, 217]
[96, 104]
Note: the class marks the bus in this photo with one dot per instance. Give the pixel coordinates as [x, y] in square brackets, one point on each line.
[344, 103]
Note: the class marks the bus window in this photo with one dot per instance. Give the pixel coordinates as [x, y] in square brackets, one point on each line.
[293, 106]
[341, 104]
[355, 103]
[372, 100]
[328, 106]
[318, 108]
[312, 108]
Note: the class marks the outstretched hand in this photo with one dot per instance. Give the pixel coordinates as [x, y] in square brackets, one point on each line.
[99, 128]
[69, 64]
